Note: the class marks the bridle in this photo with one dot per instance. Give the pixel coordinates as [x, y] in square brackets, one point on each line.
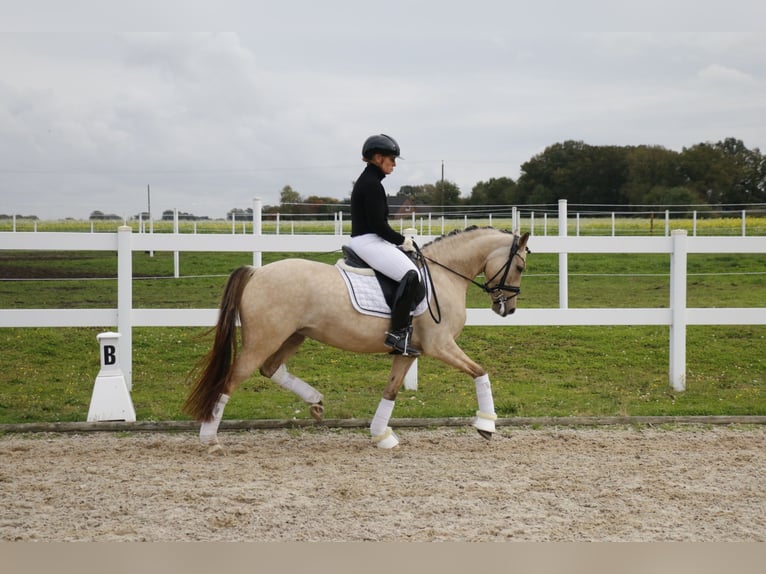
[501, 292]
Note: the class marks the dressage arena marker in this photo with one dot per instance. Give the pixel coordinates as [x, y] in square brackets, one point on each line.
[111, 399]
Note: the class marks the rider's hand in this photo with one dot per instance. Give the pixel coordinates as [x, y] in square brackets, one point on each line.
[409, 245]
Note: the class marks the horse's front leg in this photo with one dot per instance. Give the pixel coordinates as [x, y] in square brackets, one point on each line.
[454, 356]
[381, 433]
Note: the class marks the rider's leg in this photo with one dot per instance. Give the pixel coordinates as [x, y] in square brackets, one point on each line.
[392, 262]
[408, 294]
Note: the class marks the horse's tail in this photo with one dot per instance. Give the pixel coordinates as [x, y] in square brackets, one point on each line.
[213, 371]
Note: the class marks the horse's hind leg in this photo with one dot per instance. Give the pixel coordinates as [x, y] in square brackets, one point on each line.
[275, 368]
[381, 433]
[243, 366]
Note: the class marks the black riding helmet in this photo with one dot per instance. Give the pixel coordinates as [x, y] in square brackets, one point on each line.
[380, 143]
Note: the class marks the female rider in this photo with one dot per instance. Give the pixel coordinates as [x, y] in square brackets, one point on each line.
[373, 239]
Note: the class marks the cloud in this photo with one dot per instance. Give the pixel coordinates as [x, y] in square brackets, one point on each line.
[211, 120]
[715, 73]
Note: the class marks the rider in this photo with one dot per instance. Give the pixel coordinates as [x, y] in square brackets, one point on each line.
[373, 239]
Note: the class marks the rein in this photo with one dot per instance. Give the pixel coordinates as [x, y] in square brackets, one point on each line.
[497, 291]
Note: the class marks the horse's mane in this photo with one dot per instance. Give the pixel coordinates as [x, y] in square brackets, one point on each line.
[460, 232]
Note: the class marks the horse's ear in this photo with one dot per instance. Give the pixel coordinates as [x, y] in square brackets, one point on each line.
[523, 240]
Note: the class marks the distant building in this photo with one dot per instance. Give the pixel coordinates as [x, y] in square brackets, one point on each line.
[401, 207]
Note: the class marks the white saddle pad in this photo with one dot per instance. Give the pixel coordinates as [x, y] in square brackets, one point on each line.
[366, 294]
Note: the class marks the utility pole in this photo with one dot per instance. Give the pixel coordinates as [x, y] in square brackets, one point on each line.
[441, 192]
[149, 209]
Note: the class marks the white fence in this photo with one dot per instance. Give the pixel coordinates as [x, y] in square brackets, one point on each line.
[677, 316]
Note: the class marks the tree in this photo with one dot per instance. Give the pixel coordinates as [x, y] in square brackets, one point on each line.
[650, 169]
[101, 216]
[316, 204]
[240, 214]
[496, 191]
[749, 172]
[445, 193]
[419, 194]
[708, 172]
[288, 198]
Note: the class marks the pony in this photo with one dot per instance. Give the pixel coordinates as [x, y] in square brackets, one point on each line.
[280, 304]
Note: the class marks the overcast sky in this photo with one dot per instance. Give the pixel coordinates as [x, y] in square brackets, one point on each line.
[90, 114]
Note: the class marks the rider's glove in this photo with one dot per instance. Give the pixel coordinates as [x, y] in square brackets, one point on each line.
[409, 245]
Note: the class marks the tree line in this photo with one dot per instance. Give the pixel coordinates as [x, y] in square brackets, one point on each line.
[722, 174]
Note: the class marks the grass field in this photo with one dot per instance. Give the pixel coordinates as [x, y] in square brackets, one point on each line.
[47, 375]
[726, 224]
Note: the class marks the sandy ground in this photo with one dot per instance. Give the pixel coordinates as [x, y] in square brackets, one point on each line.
[551, 484]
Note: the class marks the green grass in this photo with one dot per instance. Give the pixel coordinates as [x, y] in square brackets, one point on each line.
[47, 375]
[714, 225]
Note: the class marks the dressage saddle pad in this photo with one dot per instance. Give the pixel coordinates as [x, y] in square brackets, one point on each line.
[365, 290]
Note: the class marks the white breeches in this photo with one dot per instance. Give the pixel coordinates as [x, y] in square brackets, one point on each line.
[382, 255]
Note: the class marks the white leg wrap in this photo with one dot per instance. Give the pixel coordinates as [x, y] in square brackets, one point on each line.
[208, 431]
[382, 416]
[292, 383]
[386, 440]
[485, 416]
[484, 394]
[485, 421]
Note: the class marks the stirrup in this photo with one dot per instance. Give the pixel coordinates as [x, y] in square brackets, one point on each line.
[399, 341]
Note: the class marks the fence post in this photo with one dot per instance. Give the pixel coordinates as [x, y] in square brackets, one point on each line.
[176, 263]
[563, 258]
[125, 300]
[257, 227]
[678, 259]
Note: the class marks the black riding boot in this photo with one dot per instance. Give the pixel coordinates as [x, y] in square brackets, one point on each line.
[407, 295]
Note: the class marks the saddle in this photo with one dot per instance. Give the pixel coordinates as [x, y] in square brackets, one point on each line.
[354, 264]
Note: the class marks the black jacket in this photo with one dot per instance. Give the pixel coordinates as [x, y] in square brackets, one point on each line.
[369, 206]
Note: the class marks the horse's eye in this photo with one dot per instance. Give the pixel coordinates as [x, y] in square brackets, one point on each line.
[520, 268]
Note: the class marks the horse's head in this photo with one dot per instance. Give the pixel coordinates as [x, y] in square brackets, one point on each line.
[502, 270]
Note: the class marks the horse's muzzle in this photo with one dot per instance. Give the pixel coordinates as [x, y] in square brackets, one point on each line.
[502, 308]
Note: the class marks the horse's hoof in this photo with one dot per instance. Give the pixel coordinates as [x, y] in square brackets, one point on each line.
[386, 440]
[316, 411]
[485, 434]
[216, 449]
[485, 424]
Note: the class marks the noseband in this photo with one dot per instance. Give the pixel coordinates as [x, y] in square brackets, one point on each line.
[499, 291]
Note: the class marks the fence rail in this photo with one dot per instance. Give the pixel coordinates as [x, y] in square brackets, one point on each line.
[677, 316]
